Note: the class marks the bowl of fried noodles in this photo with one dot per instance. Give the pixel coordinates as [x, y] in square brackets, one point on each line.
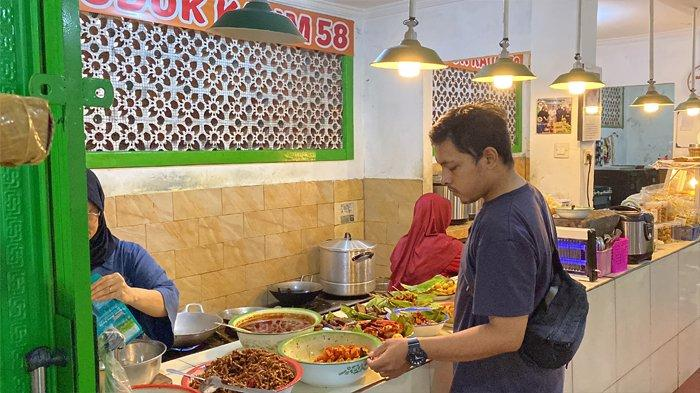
[251, 368]
[330, 358]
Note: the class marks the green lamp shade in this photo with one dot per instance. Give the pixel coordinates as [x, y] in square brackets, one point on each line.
[504, 66]
[691, 103]
[409, 51]
[589, 80]
[257, 22]
[652, 97]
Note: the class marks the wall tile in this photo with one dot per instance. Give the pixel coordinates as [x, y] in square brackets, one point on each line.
[638, 380]
[213, 306]
[664, 300]
[356, 229]
[190, 290]
[198, 260]
[263, 222]
[252, 297]
[664, 367]
[348, 190]
[282, 195]
[376, 231]
[300, 217]
[111, 212]
[242, 199]
[144, 208]
[688, 351]
[632, 311]
[688, 288]
[135, 234]
[175, 235]
[325, 214]
[223, 282]
[220, 229]
[382, 211]
[382, 252]
[244, 251]
[382, 271]
[395, 231]
[594, 364]
[197, 203]
[166, 260]
[311, 238]
[313, 193]
[262, 274]
[395, 190]
[282, 244]
[406, 212]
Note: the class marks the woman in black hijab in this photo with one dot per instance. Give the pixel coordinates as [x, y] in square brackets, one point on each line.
[129, 273]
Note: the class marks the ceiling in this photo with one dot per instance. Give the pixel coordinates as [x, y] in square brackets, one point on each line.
[616, 18]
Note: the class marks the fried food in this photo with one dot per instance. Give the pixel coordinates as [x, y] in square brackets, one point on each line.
[341, 353]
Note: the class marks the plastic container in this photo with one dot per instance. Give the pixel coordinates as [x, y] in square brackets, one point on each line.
[686, 232]
[663, 231]
[618, 261]
[604, 261]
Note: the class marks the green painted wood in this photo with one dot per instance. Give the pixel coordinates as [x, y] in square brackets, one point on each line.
[134, 159]
[68, 197]
[518, 143]
[26, 279]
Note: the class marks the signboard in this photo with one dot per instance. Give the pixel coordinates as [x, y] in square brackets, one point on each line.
[474, 64]
[322, 32]
[590, 113]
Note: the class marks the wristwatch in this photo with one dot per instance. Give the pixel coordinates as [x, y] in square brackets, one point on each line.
[416, 356]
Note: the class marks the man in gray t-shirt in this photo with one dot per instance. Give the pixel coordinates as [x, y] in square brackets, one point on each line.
[506, 266]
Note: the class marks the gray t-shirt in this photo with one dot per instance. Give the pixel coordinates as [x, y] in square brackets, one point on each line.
[505, 271]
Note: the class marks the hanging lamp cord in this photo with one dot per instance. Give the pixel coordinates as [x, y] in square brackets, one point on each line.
[692, 89]
[411, 22]
[577, 56]
[504, 42]
[651, 42]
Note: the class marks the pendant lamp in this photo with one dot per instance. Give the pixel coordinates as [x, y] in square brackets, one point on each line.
[504, 71]
[578, 80]
[409, 57]
[652, 100]
[257, 22]
[691, 106]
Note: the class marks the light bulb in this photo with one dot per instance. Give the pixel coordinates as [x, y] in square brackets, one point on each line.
[409, 69]
[693, 111]
[693, 183]
[651, 108]
[592, 110]
[577, 88]
[503, 81]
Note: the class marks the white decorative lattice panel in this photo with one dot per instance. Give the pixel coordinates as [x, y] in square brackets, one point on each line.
[454, 87]
[178, 89]
[613, 113]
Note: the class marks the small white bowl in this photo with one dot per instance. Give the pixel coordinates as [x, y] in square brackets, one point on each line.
[305, 348]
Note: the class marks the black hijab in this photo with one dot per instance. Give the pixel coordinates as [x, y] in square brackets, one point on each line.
[103, 243]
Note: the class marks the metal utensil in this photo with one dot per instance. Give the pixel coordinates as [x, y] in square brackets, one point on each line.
[212, 383]
[141, 360]
[194, 327]
[295, 293]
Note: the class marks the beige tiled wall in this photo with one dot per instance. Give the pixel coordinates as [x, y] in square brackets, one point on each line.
[388, 215]
[224, 246]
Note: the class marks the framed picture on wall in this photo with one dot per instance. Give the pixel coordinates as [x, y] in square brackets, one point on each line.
[554, 115]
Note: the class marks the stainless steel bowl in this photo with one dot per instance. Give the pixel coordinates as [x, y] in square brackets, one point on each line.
[141, 360]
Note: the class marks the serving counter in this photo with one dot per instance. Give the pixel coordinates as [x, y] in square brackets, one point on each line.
[642, 334]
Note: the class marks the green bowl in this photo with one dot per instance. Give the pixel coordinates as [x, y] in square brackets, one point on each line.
[305, 348]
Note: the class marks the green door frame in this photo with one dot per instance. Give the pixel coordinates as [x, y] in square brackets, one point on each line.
[44, 269]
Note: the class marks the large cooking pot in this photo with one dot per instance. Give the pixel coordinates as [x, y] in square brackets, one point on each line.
[347, 267]
[295, 293]
[194, 327]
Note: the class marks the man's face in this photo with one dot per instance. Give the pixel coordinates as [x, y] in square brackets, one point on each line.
[461, 173]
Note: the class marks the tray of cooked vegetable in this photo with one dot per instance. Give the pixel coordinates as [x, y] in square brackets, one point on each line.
[426, 321]
[440, 287]
[250, 368]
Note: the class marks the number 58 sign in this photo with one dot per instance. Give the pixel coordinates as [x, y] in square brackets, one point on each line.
[321, 32]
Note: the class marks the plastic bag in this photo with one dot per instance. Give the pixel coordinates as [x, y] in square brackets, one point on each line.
[26, 129]
[115, 380]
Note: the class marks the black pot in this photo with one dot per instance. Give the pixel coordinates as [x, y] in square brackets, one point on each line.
[295, 293]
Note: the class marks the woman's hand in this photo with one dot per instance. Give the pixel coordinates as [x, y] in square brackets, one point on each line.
[110, 287]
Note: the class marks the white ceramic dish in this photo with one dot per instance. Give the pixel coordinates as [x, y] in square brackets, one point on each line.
[576, 213]
[269, 341]
[305, 348]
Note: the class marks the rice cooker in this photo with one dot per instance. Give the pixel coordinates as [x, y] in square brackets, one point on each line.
[347, 266]
[638, 228]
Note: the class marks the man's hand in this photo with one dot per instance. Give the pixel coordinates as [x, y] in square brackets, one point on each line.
[110, 287]
[389, 360]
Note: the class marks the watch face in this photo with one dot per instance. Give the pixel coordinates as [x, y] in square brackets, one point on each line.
[416, 356]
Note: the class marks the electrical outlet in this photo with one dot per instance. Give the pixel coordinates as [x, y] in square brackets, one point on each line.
[587, 155]
[561, 150]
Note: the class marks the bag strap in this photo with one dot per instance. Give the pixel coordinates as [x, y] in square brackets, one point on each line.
[557, 267]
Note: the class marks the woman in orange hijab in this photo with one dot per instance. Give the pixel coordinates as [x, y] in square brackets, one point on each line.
[426, 250]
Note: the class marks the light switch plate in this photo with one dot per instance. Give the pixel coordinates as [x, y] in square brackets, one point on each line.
[345, 212]
[561, 150]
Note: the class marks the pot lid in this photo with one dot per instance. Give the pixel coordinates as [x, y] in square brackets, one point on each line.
[347, 244]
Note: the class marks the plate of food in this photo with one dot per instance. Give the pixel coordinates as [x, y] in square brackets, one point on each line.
[427, 321]
[439, 287]
[449, 308]
[251, 368]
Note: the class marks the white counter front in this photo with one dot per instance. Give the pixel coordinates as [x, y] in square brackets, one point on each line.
[642, 335]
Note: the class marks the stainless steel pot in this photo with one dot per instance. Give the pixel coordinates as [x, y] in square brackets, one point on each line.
[141, 360]
[194, 327]
[347, 266]
[460, 211]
